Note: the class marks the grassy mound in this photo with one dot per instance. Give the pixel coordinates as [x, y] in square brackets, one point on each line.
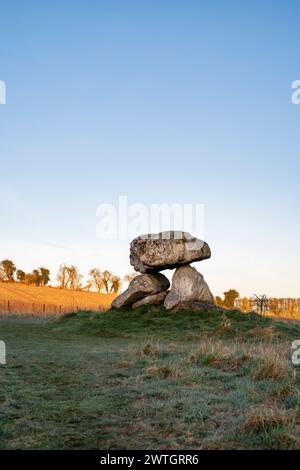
[151, 320]
[149, 379]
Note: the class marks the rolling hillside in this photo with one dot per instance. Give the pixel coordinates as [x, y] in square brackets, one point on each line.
[20, 298]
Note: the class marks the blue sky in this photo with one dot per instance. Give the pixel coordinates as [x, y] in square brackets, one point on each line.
[176, 102]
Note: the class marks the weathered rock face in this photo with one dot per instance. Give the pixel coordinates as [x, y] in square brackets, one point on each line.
[152, 253]
[154, 299]
[166, 250]
[188, 286]
[140, 287]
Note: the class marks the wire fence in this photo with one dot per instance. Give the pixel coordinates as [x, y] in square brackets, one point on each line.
[16, 307]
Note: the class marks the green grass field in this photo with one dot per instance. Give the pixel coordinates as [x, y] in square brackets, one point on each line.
[149, 380]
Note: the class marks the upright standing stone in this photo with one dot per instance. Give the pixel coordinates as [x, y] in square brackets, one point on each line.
[188, 286]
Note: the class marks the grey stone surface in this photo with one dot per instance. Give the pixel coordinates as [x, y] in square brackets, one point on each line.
[141, 286]
[188, 285]
[154, 299]
[166, 250]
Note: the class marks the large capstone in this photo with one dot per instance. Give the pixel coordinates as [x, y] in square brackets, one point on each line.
[166, 250]
[140, 287]
[188, 286]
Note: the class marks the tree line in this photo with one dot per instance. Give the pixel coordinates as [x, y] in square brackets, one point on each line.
[10, 273]
[260, 304]
[284, 306]
[67, 277]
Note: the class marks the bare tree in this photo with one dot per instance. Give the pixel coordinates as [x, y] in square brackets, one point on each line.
[88, 286]
[96, 280]
[129, 277]
[62, 276]
[107, 277]
[68, 277]
[261, 303]
[116, 284]
[74, 278]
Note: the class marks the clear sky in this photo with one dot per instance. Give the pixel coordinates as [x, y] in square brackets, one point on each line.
[176, 102]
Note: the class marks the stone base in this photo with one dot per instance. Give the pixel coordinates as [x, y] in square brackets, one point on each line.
[140, 287]
[155, 299]
[196, 307]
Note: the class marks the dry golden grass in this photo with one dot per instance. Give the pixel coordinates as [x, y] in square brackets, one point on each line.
[218, 353]
[225, 326]
[266, 416]
[284, 315]
[149, 349]
[23, 299]
[269, 360]
[271, 364]
[235, 391]
[165, 371]
[267, 332]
